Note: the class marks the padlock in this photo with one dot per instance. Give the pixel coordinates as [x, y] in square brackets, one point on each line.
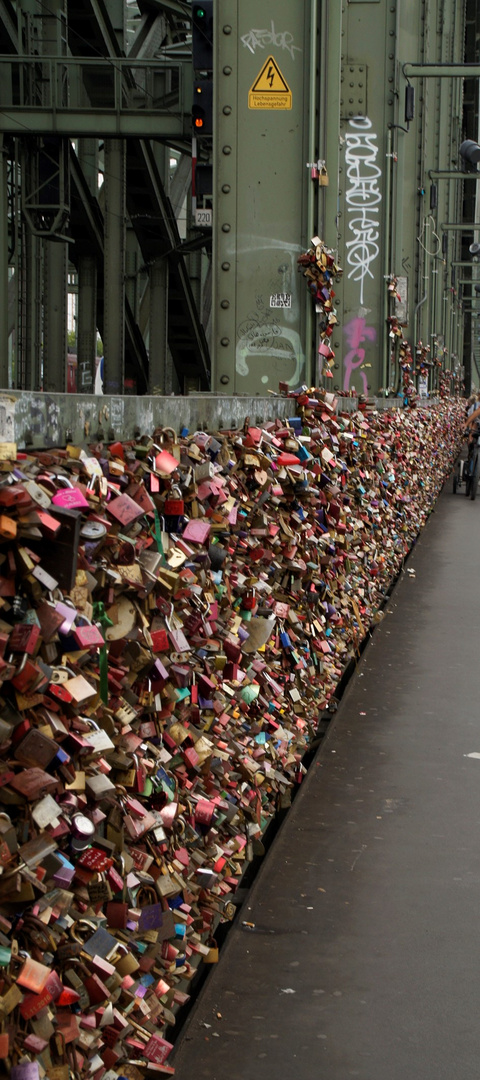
[99, 890]
[4, 1040]
[212, 956]
[249, 601]
[140, 775]
[60, 1068]
[323, 175]
[285, 640]
[174, 505]
[168, 439]
[116, 912]
[160, 641]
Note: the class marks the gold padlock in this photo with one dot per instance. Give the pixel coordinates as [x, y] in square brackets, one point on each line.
[212, 955]
[323, 176]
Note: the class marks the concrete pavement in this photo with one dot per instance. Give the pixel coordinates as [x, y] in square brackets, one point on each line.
[363, 959]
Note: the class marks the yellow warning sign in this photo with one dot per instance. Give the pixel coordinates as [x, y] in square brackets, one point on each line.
[270, 90]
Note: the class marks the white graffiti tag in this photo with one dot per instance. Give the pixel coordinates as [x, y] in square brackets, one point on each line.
[264, 39]
[363, 198]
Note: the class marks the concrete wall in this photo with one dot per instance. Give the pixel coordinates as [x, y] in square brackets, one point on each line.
[38, 420]
[33, 420]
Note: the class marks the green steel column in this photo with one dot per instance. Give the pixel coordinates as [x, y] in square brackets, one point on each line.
[29, 285]
[87, 283]
[88, 158]
[4, 375]
[55, 317]
[159, 380]
[331, 15]
[384, 370]
[157, 353]
[367, 108]
[114, 267]
[225, 179]
[55, 253]
[311, 336]
[449, 187]
[86, 325]
[330, 69]
[262, 88]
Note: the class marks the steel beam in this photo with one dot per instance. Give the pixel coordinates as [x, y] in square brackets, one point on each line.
[75, 124]
[87, 323]
[55, 317]
[261, 179]
[114, 267]
[9, 23]
[4, 335]
[87, 154]
[158, 326]
[29, 283]
[96, 97]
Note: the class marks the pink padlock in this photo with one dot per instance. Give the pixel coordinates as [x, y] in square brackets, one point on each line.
[69, 615]
[70, 499]
[88, 637]
[204, 812]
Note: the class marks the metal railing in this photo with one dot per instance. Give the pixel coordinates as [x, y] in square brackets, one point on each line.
[72, 96]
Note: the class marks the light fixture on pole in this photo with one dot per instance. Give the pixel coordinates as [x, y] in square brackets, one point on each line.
[470, 151]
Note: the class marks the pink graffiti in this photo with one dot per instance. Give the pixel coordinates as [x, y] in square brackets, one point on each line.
[356, 332]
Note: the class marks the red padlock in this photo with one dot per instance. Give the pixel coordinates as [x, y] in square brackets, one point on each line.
[174, 506]
[160, 642]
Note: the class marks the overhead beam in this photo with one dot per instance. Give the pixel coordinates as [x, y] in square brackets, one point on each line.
[76, 125]
[118, 97]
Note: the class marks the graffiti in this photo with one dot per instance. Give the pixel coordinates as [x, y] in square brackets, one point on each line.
[259, 329]
[261, 336]
[263, 39]
[362, 199]
[117, 406]
[7, 420]
[357, 332]
[85, 379]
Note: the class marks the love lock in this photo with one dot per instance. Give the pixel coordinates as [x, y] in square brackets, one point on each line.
[174, 505]
[61, 675]
[176, 558]
[168, 439]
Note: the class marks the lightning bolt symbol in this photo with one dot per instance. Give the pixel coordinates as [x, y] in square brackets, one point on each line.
[271, 75]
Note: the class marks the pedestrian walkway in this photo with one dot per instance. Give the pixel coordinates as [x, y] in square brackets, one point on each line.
[357, 953]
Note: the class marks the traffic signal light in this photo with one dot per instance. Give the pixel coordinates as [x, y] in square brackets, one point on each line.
[202, 35]
[204, 181]
[202, 108]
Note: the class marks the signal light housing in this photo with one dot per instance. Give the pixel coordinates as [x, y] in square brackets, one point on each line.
[202, 36]
[202, 108]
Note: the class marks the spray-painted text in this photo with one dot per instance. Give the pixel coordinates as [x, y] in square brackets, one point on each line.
[363, 199]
